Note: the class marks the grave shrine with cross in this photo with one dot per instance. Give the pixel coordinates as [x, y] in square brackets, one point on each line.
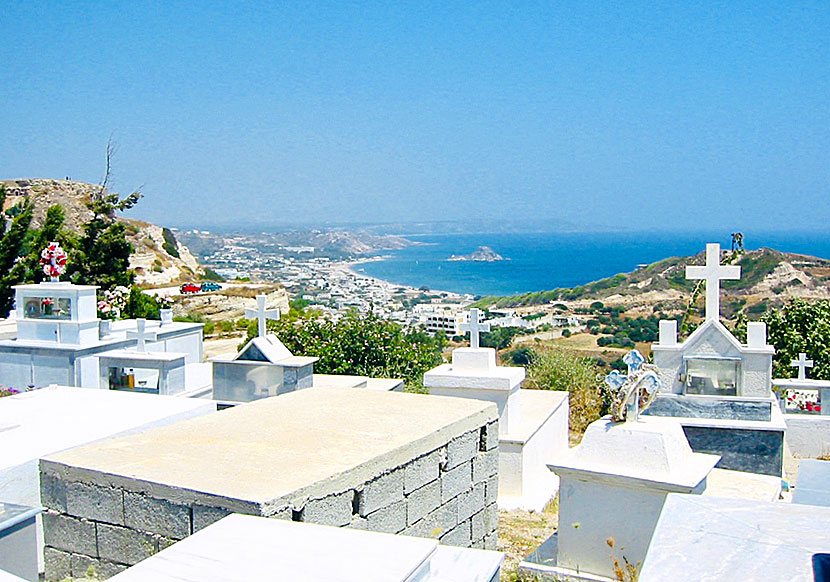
[720, 388]
[263, 367]
[60, 338]
[802, 395]
[533, 424]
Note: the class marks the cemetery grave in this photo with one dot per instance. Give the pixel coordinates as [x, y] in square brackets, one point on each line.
[709, 539]
[719, 389]
[533, 424]
[396, 463]
[614, 483]
[40, 422]
[244, 547]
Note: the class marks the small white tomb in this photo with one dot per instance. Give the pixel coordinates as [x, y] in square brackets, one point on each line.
[612, 489]
[41, 422]
[263, 367]
[533, 424]
[60, 339]
[246, 547]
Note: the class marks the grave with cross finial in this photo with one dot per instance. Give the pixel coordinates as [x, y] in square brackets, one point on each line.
[712, 376]
[802, 363]
[141, 335]
[262, 314]
[711, 361]
[263, 367]
[803, 395]
[532, 423]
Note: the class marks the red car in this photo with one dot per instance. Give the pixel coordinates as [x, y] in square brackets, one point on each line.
[190, 288]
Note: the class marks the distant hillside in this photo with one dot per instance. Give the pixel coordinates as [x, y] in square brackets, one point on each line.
[157, 259]
[332, 243]
[768, 277]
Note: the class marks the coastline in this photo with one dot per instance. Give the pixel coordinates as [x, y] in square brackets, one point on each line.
[389, 286]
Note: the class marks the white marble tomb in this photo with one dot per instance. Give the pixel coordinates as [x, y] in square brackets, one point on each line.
[52, 419]
[245, 547]
[710, 539]
[533, 424]
[60, 339]
[612, 489]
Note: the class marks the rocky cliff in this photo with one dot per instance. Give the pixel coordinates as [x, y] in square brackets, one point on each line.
[158, 258]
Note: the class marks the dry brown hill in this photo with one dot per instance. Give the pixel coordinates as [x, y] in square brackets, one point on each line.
[158, 258]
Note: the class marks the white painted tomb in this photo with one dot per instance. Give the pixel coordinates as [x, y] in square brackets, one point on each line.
[612, 489]
[60, 339]
[719, 389]
[263, 367]
[533, 424]
[709, 539]
[245, 547]
[18, 541]
[40, 422]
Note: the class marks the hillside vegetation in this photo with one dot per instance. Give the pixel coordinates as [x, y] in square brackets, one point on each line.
[768, 278]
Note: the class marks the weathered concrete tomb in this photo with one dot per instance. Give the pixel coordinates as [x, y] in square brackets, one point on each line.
[425, 466]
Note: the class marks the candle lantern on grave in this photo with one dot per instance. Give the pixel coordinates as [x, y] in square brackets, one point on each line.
[53, 260]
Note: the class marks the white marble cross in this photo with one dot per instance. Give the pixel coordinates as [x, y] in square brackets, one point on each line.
[802, 363]
[261, 314]
[142, 335]
[712, 273]
[475, 327]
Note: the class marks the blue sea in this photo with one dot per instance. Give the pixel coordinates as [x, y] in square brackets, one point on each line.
[547, 261]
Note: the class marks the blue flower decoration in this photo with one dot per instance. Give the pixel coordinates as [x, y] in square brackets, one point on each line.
[634, 360]
[615, 380]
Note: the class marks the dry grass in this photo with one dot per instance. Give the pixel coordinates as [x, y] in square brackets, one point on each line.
[521, 532]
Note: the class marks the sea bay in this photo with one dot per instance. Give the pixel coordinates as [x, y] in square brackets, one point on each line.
[541, 261]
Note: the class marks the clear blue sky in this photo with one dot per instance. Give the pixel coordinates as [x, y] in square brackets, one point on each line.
[712, 114]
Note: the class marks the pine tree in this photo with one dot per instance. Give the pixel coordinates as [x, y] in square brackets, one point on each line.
[12, 240]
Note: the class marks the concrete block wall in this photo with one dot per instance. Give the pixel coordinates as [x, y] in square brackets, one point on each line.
[103, 526]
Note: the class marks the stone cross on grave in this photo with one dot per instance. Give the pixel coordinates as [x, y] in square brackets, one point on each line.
[261, 314]
[802, 363]
[475, 327]
[141, 334]
[712, 273]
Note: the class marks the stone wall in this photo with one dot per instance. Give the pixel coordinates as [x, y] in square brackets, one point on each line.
[95, 522]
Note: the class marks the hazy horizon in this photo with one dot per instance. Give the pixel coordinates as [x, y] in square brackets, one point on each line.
[667, 117]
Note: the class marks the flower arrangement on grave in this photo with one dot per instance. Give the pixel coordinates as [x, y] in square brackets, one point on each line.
[634, 391]
[803, 401]
[53, 260]
[165, 302]
[113, 303]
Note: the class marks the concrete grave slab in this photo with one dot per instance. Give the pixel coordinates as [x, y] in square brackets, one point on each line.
[328, 455]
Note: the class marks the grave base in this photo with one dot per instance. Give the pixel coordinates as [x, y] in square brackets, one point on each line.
[540, 566]
[747, 433]
[540, 435]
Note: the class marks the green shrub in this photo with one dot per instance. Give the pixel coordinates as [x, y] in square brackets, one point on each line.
[556, 369]
[170, 245]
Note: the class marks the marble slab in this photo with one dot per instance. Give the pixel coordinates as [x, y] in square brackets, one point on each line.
[244, 547]
[709, 407]
[710, 539]
[53, 419]
[813, 484]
